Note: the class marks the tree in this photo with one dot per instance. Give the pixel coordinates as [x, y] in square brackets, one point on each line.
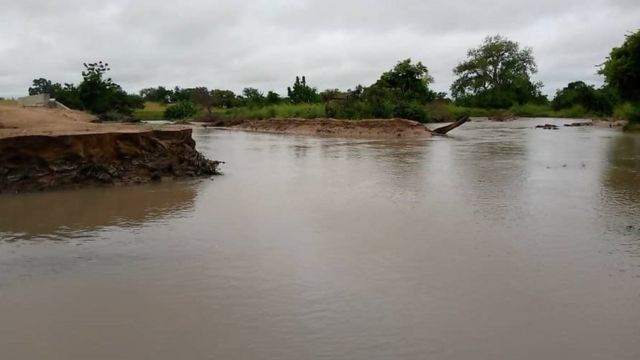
[69, 96]
[496, 74]
[181, 110]
[183, 94]
[273, 98]
[577, 93]
[224, 98]
[252, 96]
[401, 92]
[44, 86]
[204, 98]
[330, 94]
[407, 82]
[301, 92]
[622, 69]
[102, 96]
[159, 94]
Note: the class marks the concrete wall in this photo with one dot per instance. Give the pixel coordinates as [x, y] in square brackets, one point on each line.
[34, 100]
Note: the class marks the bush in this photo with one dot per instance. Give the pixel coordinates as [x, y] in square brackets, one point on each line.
[597, 101]
[411, 111]
[284, 110]
[181, 110]
[438, 111]
[531, 110]
[627, 111]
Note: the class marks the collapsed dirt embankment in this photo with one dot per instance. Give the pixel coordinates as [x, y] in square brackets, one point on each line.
[394, 128]
[371, 128]
[44, 149]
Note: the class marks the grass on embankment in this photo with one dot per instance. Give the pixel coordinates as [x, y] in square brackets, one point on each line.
[525, 110]
[307, 111]
[437, 112]
[151, 111]
[155, 111]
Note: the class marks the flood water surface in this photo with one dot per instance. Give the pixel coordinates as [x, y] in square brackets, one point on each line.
[499, 242]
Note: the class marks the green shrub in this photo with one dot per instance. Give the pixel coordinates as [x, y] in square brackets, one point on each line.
[181, 110]
[284, 110]
[576, 111]
[411, 111]
[627, 111]
[532, 110]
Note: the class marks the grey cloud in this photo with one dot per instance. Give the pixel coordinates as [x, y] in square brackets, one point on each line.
[266, 43]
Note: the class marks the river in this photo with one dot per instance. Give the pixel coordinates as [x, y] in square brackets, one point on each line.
[499, 242]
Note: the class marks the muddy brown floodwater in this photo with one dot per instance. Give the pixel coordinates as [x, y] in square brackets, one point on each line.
[499, 242]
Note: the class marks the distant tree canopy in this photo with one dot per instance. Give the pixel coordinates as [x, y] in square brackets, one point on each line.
[407, 82]
[252, 97]
[300, 92]
[330, 94]
[400, 92]
[181, 94]
[497, 74]
[204, 98]
[159, 94]
[67, 94]
[224, 98]
[102, 96]
[44, 86]
[621, 70]
[96, 94]
[577, 93]
[272, 98]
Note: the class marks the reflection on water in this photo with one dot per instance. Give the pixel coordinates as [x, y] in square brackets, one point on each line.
[621, 192]
[61, 214]
[622, 176]
[499, 242]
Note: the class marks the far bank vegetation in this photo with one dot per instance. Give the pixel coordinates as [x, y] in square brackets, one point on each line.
[494, 80]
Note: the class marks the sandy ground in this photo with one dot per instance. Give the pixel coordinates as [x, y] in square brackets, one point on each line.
[390, 129]
[18, 121]
[609, 123]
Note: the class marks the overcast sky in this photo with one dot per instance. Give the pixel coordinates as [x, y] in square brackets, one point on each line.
[265, 43]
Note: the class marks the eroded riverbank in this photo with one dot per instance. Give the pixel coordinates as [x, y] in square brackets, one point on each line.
[44, 149]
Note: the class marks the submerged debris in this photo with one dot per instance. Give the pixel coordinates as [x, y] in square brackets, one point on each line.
[547, 127]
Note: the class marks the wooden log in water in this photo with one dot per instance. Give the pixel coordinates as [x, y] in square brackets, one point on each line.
[445, 129]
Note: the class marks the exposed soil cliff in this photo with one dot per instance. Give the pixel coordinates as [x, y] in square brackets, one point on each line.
[37, 162]
[45, 149]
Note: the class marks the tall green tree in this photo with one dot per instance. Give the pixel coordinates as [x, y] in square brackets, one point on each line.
[224, 98]
[272, 98]
[597, 101]
[44, 86]
[204, 98]
[300, 92]
[253, 96]
[402, 91]
[100, 95]
[159, 94]
[407, 82]
[496, 74]
[181, 94]
[621, 70]
[69, 96]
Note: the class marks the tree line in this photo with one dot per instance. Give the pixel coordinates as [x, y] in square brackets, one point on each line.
[495, 75]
